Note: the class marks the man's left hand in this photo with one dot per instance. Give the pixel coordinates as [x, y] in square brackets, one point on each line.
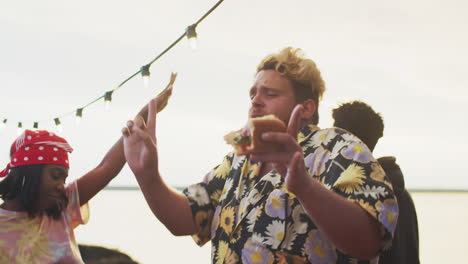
[290, 161]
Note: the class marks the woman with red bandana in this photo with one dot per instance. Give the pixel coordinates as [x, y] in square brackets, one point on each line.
[39, 212]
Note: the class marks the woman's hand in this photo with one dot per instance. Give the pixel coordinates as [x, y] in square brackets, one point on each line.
[163, 97]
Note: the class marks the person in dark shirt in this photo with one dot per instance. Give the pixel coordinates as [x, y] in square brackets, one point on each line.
[361, 120]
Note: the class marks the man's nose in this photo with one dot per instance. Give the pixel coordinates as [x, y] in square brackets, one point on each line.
[257, 100]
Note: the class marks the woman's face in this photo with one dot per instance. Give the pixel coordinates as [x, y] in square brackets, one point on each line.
[52, 187]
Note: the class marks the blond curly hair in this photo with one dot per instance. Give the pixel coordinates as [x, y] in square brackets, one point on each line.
[302, 72]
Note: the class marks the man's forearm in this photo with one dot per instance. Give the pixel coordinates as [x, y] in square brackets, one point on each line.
[168, 205]
[344, 222]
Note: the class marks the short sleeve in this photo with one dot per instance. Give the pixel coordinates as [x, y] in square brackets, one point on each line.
[351, 171]
[79, 214]
[203, 198]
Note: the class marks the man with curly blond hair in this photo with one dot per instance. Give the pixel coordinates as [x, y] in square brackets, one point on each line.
[322, 198]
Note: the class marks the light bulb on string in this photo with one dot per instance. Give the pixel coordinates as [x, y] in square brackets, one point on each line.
[58, 125]
[108, 99]
[3, 124]
[79, 116]
[36, 125]
[191, 34]
[145, 74]
[19, 130]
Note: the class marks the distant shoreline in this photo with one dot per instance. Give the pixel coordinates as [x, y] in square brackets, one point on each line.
[180, 188]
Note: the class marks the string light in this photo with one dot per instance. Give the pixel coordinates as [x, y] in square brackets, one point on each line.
[190, 33]
[36, 125]
[20, 128]
[58, 125]
[145, 74]
[79, 115]
[108, 99]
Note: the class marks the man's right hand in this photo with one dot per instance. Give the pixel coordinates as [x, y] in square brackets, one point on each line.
[140, 143]
[140, 136]
[169, 206]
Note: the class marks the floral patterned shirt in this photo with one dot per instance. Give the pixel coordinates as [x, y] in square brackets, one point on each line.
[42, 240]
[252, 218]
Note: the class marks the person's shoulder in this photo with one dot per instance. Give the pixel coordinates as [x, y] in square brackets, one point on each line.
[388, 163]
[315, 131]
[390, 160]
[336, 134]
[314, 135]
[339, 130]
[345, 134]
[7, 215]
[71, 188]
[393, 171]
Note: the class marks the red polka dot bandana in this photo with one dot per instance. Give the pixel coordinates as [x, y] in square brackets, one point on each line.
[38, 147]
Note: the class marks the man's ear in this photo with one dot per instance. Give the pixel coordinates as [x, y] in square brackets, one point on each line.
[309, 109]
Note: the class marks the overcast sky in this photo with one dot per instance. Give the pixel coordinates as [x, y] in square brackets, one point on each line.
[408, 59]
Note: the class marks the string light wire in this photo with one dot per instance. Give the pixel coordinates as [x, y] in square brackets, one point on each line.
[143, 68]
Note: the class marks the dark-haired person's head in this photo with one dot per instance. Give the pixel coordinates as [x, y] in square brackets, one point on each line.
[37, 189]
[360, 119]
[101, 255]
[35, 176]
